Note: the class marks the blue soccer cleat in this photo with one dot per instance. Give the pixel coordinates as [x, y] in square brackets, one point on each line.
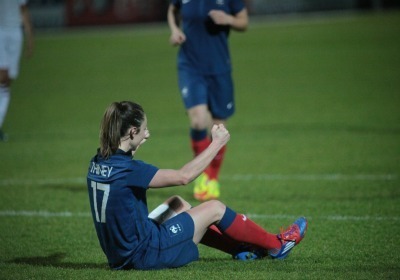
[249, 253]
[290, 238]
[246, 256]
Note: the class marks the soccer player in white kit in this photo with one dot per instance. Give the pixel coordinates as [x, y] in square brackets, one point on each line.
[14, 15]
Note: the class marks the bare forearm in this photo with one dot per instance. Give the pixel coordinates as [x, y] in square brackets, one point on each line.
[196, 166]
[172, 19]
[192, 169]
[26, 21]
[28, 29]
[177, 36]
[238, 22]
[189, 172]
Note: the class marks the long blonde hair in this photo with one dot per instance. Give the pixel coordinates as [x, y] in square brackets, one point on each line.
[117, 119]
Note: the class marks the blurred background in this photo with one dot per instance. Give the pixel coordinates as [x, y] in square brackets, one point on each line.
[70, 13]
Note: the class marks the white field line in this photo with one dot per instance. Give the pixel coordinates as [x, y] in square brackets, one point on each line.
[42, 182]
[328, 218]
[311, 177]
[236, 177]
[68, 214]
[42, 214]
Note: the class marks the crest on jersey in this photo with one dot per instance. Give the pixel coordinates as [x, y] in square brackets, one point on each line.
[220, 2]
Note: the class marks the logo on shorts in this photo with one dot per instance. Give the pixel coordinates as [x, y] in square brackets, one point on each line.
[175, 229]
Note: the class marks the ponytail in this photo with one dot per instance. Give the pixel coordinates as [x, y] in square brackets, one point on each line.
[117, 119]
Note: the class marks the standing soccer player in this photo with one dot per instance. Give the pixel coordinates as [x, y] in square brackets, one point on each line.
[13, 14]
[205, 73]
[131, 238]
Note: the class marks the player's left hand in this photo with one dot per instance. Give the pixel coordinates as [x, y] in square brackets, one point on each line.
[220, 17]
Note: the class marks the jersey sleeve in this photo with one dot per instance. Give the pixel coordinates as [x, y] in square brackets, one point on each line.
[176, 3]
[141, 175]
[237, 6]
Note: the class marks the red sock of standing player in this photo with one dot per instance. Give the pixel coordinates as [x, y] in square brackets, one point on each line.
[215, 165]
[242, 229]
[199, 140]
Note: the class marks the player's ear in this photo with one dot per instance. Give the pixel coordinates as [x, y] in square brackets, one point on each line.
[133, 131]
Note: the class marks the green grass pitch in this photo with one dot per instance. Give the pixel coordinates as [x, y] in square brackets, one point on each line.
[316, 133]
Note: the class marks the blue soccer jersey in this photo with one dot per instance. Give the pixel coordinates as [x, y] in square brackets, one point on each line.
[117, 191]
[205, 50]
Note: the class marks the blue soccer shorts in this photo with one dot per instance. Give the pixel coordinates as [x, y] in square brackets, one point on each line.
[216, 91]
[172, 246]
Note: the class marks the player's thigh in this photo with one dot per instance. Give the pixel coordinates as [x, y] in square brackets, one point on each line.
[221, 96]
[200, 117]
[204, 215]
[193, 88]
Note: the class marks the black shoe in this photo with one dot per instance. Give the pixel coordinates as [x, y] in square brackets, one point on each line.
[3, 136]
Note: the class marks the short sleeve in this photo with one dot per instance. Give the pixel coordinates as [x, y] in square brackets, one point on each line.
[141, 175]
[176, 3]
[237, 6]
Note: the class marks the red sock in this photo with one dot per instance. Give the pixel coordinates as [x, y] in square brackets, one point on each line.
[216, 239]
[200, 145]
[215, 165]
[245, 230]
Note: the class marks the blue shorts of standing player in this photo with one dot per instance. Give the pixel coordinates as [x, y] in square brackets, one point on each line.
[215, 91]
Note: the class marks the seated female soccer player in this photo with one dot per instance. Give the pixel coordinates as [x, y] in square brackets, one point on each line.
[131, 238]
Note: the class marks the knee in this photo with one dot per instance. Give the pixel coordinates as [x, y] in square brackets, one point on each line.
[198, 122]
[218, 208]
[199, 117]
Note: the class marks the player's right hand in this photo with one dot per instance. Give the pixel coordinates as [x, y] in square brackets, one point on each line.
[220, 133]
[177, 38]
